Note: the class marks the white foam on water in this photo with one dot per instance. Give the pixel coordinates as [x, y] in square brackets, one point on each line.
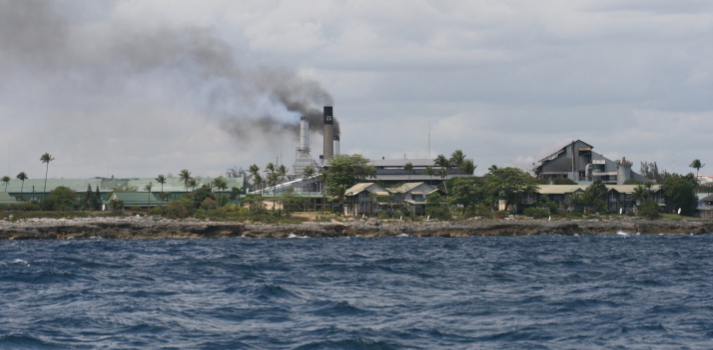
[621, 233]
[638, 233]
[576, 234]
[402, 235]
[22, 262]
[292, 235]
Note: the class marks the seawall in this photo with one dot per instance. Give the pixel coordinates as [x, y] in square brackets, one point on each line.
[146, 228]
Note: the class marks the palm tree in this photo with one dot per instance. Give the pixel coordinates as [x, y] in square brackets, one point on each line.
[22, 177]
[409, 168]
[468, 167]
[696, 164]
[6, 180]
[45, 158]
[193, 183]
[258, 181]
[148, 188]
[254, 171]
[492, 168]
[185, 176]
[640, 193]
[443, 173]
[430, 172]
[307, 172]
[162, 180]
[221, 185]
[270, 169]
[282, 173]
[457, 160]
[444, 164]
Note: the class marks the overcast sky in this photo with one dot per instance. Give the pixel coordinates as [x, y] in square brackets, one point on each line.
[141, 88]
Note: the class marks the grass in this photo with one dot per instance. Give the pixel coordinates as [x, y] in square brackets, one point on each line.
[21, 215]
[676, 217]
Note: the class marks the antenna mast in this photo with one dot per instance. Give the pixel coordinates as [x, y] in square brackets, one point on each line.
[429, 140]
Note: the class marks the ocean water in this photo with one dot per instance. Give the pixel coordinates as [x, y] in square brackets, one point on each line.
[539, 292]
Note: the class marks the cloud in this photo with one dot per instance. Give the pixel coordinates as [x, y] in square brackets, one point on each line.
[500, 80]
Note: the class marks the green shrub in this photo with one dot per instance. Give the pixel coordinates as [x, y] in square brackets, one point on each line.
[232, 208]
[536, 213]
[563, 181]
[649, 209]
[116, 204]
[500, 214]
[439, 212]
[20, 207]
[176, 210]
[384, 214]
[135, 209]
[209, 204]
[156, 211]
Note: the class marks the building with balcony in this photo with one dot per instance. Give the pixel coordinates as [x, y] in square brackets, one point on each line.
[579, 163]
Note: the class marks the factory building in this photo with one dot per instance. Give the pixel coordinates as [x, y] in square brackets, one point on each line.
[391, 171]
[579, 163]
[32, 189]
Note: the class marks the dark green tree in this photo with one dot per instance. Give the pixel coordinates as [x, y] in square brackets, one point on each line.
[88, 199]
[594, 197]
[680, 193]
[408, 167]
[62, 198]
[161, 180]
[466, 192]
[6, 180]
[22, 177]
[46, 158]
[510, 184]
[344, 171]
[97, 199]
[457, 160]
[696, 164]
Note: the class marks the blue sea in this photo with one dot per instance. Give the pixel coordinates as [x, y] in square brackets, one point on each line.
[538, 292]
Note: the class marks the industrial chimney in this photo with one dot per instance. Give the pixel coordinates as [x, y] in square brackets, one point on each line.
[304, 135]
[303, 158]
[328, 133]
[336, 145]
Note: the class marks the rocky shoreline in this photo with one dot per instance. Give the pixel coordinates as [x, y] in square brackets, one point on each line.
[148, 228]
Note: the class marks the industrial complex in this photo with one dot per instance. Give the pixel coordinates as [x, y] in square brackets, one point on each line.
[407, 182]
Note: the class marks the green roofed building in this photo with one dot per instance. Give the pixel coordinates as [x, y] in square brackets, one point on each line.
[6, 198]
[33, 188]
[137, 199]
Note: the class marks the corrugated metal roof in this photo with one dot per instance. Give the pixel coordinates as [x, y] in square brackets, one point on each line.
[400, 163]
[405, 187]
[628, 189]
[6, 198]
[358, 188]
[136, 198]
[560, 189]
[564, 189]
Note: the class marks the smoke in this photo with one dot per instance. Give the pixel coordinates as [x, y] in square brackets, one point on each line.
[37, 39]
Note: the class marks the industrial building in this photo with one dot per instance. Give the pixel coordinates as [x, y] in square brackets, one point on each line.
[619, 197]
[32, 189]
[391, 171]
[579, 163]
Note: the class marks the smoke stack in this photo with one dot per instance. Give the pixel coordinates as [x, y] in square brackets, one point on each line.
[328, 133]
[304, 135]
[336, 146]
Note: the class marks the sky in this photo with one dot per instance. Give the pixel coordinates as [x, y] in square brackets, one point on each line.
[141, 88]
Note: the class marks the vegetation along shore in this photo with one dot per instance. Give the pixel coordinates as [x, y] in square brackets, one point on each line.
[155, 227]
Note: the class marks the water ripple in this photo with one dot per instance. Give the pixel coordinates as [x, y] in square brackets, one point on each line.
[538, 292]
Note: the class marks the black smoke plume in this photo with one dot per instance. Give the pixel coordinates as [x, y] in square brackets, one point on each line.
[37, 37]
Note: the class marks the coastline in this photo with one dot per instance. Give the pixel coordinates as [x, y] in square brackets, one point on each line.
[150, 228]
